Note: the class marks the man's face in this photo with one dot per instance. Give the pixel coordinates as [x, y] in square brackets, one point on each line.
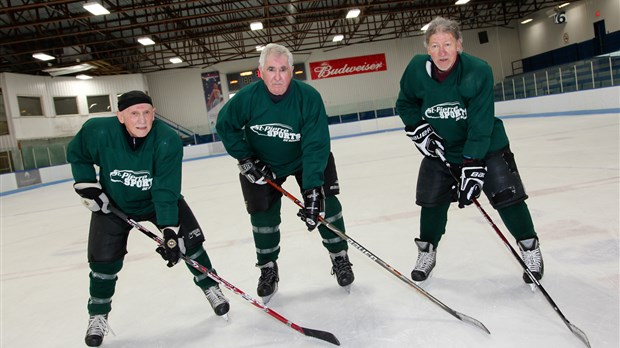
[138, 119]
[276, 73]
[443, 49]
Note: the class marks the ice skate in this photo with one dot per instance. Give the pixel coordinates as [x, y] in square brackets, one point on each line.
[530, 252]
[341, 267]
[426, 261]
[97, 328]
[218, 302]
[268, 281]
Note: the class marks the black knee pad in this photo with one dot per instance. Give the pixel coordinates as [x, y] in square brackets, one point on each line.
[436, 185]
[107, 238]
[259, 198]
[502, 185]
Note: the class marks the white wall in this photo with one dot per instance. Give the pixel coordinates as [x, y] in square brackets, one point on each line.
[49, 125]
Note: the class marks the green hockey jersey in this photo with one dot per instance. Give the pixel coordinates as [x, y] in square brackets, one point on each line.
[140, 181]
[460, 109]
[288, 135]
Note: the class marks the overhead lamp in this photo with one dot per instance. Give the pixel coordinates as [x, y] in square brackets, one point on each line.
[246, 73]
[338, 38]
[83, 77]
[176, 60]
[526, 21]
[353, 13]
[95, 8]
[256, 25]
[146, 41]
[461, 2]
[564, 4]
[425, 27]
[42, 56]
[260, 48]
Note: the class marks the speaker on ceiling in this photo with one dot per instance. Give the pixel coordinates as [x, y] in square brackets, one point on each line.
[483, 37]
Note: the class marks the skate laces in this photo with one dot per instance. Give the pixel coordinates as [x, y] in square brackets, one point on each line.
[215, 296]
[267, 275]
[98, 326]
[341, 265]
[532, 259]
[425, 261]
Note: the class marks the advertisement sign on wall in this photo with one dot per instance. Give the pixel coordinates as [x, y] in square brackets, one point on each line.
[347, 66]
[213, 96]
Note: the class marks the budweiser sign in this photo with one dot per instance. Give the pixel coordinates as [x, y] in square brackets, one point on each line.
[347, 66]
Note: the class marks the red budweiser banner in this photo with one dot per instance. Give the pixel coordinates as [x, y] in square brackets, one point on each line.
[347, 66]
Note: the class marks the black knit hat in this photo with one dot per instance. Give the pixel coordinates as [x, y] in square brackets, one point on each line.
[132, 98]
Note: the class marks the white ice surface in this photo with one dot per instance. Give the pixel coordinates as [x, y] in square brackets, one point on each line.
[570, 166]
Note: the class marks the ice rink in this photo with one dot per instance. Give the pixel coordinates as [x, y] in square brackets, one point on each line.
[570, 167]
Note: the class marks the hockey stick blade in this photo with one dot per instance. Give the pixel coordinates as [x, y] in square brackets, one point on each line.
[580, 334]
[383, 264]
[322, 335]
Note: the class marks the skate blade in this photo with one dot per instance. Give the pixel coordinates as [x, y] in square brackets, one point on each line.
[532, 287]
[347, 288]
[225, 317]
[266, 299]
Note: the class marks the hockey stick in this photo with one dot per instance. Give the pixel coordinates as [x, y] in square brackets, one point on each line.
[574, 329]
[322, 335]
[383, 264]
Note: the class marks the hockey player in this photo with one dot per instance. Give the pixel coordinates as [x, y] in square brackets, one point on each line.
[139, 160]
[277, 127]
[446, 104]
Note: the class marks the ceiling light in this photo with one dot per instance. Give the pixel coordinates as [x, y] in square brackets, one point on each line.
[353, 13]
[246, 73]
[95, 8]
[461, 2]
[260, 47]
[83, 77]
[42, 56]
[564, 4]
[176, 60]
[425, 27]
[69, 69]
[256, 25]
[526, 21]
[146, 41]
[338, 38]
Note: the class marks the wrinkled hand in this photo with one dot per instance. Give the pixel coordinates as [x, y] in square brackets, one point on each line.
[93, 196]
[425, 139]
[173, 247]
[255, 170]
[314, 206]
[472, 180]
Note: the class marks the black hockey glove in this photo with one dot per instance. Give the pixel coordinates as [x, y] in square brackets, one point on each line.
[255, 170]
[472, 179]
[93, 196]
[425, 139]
[314, 206]
[173, 246]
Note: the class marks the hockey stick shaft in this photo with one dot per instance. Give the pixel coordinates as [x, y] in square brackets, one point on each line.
[382, 263]
[323, 335]
[574, 329]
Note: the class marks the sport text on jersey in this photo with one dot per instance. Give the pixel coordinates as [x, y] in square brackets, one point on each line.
[276, 130]
[141, 179]
[446, 110]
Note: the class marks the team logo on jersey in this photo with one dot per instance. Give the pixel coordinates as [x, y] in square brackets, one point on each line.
[276, 130]
[447, 110]
[141, 179]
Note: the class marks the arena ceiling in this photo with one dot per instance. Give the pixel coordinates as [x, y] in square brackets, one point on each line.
[203, 33]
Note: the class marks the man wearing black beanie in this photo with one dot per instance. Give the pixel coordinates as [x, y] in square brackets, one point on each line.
[139, 160]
